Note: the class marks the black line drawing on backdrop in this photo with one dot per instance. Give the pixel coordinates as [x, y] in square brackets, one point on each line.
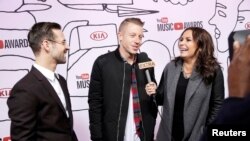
[221, 18]
[14, 72]
[177, 2]
[237, 20]
[18, 11]
[159, 53]
[26, 7]
[13, 27]
[103, 5]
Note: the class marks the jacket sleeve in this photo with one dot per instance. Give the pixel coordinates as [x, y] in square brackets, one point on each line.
[22, 112]
[217, 96]
[95, 100]
[240, 114]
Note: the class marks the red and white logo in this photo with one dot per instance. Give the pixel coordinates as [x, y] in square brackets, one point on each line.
[1, 44]
[6, 139]
[164, 20]
[85, 76]
[178, 26]
[5, 92]
[98, 35]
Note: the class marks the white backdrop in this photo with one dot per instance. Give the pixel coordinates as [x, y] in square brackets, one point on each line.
[90, 27]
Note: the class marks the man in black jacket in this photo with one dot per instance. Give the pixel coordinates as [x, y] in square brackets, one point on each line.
[111, 111]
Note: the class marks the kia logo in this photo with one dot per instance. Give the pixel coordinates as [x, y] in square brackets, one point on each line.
[5, 92]
[99, 35]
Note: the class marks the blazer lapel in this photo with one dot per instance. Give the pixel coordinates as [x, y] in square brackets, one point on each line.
[171, 89]
[66, 93]
[48, 86]
[67, 98]
[193, 84]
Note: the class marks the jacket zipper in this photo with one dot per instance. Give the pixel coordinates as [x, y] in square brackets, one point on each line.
[120, 109]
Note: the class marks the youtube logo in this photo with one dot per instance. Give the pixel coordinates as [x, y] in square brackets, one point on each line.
[5, 139]
[1, 44]
[178, 26]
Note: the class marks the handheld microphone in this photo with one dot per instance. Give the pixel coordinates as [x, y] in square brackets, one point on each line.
[146, 64]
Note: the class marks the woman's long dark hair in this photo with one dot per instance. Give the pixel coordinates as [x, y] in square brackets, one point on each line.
[206, 64]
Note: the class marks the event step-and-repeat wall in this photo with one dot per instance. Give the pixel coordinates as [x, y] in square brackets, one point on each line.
[90, 27]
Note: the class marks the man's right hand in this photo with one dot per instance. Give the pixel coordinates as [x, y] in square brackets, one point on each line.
[150, 88]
